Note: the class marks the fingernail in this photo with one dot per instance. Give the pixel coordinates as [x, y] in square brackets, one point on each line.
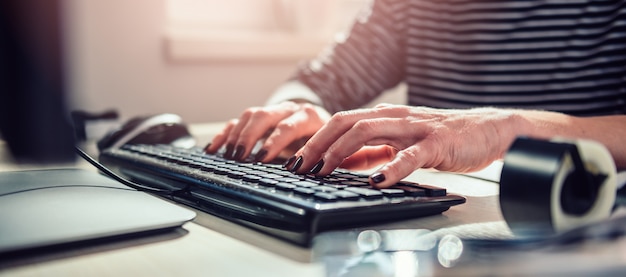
[289, 161]
[229, 151]
[239, 151]
[317, 167]
[260, 155]
[206, 148]
[297, 164]
[377, 177]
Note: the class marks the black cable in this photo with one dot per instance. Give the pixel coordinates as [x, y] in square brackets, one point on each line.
[120, 179]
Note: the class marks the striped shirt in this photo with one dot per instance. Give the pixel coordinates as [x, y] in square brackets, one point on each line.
[560, 55]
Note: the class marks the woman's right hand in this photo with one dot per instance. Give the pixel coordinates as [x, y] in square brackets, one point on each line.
[278, 127]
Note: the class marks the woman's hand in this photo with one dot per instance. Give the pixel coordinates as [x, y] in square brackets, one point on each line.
[278, 127]
[407, 138]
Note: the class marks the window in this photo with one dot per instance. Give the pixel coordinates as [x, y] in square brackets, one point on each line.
[253, 29]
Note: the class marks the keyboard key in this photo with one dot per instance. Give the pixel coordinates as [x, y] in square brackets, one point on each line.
[285, 186]
[221, 171]
[411, 190]
[305, 184]
[251, 178]
[268, 182]
[346, 175]
[271, 176]
[335, 180]
[366, 193]
[304, 191]
[324, 189]
[364, 180]
[393, 192]
[250, 171]
[335, 186]
[196, 164]
[345, 195]
[236, 174]
[327, 197]
[209, 167]
[433, 191]
[355, 183]
[287, 180]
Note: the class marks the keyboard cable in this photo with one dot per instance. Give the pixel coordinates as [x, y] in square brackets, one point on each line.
[110, 173]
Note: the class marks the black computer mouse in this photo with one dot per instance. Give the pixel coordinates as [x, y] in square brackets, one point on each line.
[153, 129]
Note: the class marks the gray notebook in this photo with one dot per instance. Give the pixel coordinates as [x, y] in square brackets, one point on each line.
[50, 207]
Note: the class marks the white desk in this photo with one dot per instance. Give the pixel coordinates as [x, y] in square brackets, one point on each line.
[210, 246]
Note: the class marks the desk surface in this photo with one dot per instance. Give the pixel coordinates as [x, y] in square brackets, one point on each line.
[210, 246]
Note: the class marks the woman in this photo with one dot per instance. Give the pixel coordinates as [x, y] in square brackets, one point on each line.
[479, 74]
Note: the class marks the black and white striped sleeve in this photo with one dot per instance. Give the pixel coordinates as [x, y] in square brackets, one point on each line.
[361, 64]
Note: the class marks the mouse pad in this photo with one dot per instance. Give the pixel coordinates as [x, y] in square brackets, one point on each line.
[48, 207]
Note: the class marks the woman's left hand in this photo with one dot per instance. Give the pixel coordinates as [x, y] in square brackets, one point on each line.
[405, 138]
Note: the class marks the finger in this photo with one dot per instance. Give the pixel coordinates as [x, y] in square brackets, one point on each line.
[370, 132]
[405, 162]
[259, 123]
[220, 138]
[255, 124]
[338, 125]
[299, 125]
[231, 138]
[350, 142]
[369, 157]
[328, 134]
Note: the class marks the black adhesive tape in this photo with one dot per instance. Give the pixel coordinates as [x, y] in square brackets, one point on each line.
[547, 187]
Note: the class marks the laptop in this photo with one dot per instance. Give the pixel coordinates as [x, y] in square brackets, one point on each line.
[43, 208]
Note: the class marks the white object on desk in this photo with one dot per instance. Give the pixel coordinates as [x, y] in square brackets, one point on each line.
[50, 207]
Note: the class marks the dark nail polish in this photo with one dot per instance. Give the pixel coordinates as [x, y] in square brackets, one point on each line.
[297, 164]
[229, 151]
[317, 167]
[239, 151]
[206, 148]
[377, 177]
[260, 155]
[289, 161]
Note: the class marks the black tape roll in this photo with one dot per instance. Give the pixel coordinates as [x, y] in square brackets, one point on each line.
[551, 186]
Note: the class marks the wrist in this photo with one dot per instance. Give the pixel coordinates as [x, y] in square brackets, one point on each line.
[544, 124]
[296, 92]
[509, 124]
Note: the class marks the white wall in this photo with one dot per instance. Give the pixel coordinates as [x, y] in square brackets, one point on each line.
[118, 60]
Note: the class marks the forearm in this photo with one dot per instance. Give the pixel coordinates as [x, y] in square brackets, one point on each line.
[608, 130]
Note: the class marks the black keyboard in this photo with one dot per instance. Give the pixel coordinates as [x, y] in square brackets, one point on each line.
[271, 199]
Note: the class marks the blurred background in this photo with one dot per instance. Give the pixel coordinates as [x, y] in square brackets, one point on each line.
[205, 60]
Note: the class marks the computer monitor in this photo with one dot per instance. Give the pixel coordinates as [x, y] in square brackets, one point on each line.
[33, 118]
